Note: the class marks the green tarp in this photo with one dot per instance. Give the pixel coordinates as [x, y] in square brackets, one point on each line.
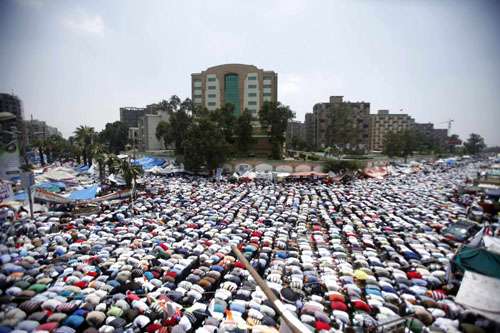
[478, 260]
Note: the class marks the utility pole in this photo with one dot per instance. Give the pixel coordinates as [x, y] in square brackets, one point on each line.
[31, 130]
[292, 322]
[28, 180]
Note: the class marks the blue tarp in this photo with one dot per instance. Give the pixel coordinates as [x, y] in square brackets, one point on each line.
[21, 196]
[51, 186]
[148, 162]
[85, 194]
[451, 161]
[82, 168]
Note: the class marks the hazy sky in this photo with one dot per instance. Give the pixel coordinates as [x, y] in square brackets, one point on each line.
[77, 62]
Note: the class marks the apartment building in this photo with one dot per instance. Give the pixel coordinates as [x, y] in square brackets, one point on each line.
[318, 124]
[383, 123]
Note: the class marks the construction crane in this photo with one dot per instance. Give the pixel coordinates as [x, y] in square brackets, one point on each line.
[449, 122]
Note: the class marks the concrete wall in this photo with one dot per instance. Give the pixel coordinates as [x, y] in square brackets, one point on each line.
[268, 165]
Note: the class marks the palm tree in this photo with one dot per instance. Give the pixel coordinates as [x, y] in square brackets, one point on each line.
[100, 156]
[85, 136]
[77, 153]
[130, 172]
[112, 163]
[57, 147]
[40, 144]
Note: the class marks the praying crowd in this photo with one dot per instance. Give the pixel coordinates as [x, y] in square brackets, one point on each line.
[340, 257]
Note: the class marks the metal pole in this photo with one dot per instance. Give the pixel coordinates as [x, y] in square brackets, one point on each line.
[295, 325]
[30, 198]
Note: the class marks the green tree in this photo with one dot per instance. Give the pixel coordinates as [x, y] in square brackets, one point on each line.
[423, 143]
[75, 149]
[57, 147]
[392, 144]
[341, 128]
[180, 124]
[114, 136]
[453, 142]
[40, 145]
[174, 102]
[244, 131]
[174, 130]
[130, 172]
[85, 137]
[274, 118]
[113, 163]
[100, 157]
[400, 144]
[188, 106]
[205, 146]
[298, 143]
[474, 144]
[165, 132]
[225, 120]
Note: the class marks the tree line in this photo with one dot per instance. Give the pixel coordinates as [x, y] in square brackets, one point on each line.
[405, 143]
[87, 146]
[83, 145]
[205, 139]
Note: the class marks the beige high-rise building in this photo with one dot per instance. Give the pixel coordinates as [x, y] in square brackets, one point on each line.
[244, 86]
[383, 123]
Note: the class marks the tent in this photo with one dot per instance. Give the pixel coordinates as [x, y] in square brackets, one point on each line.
[249, 175]
[478, 260]
[117, 179]
[479, 293]
[59, 174]
[85, 194]
[148, 162]
[43, 195]
[377, 172]
[157, 170]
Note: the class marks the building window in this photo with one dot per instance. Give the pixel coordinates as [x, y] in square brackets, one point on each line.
[212, 95]
[252, 94]
[197, 96]
[211, 87]
[232, 91]
[252, 86]
[267, 94]
[252, 103]
[211, 79]
[267, 86]
[211, 103]
[252, 78]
